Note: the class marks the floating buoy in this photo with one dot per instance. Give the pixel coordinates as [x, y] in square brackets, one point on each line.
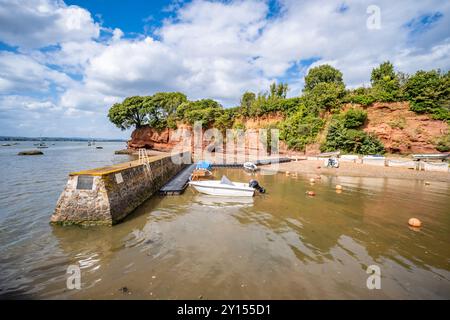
[427, 183]
[414, 222]
[338, 191]
[312, 180]
[287, 173]
[338, 187]
[310, 193]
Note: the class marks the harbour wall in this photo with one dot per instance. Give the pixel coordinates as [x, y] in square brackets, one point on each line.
[105, 196]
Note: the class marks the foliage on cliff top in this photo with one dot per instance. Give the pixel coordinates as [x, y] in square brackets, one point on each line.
[324, 92]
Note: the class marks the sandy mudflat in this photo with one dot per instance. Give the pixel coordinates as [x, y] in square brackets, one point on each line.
[359, 170]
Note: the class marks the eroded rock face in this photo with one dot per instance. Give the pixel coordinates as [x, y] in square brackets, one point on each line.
[403, 131]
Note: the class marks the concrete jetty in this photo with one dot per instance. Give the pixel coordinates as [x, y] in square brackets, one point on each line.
[105, 196]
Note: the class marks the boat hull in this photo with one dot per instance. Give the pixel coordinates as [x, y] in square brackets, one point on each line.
[223, 190]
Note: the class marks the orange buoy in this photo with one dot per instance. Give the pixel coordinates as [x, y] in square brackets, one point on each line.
[414, 222]
[312, 180]
[310, 193]
[338, 187]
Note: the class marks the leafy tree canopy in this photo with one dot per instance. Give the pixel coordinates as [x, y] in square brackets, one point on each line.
[323, 73]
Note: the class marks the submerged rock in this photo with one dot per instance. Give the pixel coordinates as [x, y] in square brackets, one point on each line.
[30, 153]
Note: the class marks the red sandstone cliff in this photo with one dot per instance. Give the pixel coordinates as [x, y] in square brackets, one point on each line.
[401, 131]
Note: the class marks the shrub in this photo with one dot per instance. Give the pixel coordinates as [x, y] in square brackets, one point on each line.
[339, 137]
[429, 92]
[205, 111]
[362, 96]
[354, 118]
[443, 144]
[324, 96]
[300, 129]
[385, 83]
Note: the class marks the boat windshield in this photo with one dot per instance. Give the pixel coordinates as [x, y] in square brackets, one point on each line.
[227, 181]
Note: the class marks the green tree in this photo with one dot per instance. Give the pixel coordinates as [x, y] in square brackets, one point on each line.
[323, 73]
[324, 96]
[247, 99]
[429, 92]
[161, 108]
[205, 111]
[385, 82]
[339, 137]
[131, 112]
[278, 91]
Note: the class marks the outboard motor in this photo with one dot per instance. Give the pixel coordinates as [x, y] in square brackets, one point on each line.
[255, 185]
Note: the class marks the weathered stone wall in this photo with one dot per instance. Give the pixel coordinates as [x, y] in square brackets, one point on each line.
[115, 191]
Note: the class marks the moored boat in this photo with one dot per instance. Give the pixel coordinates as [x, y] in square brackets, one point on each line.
[250, 166]
[223, 187]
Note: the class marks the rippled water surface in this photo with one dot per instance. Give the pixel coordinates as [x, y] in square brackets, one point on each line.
[283, 244]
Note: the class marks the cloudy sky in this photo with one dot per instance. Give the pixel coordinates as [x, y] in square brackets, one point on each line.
[64, 63]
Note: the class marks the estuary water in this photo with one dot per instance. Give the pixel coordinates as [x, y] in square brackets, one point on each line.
[280, 245]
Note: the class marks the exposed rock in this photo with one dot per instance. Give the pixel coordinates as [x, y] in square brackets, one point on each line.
[403, 131]
[30, 153]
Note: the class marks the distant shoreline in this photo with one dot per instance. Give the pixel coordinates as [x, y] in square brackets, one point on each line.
[7, 138]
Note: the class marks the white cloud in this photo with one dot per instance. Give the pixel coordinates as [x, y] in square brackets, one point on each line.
[208, 49]
[37, 24]
[22, 74]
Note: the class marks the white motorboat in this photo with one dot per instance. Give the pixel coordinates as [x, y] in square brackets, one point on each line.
[250, 166]
[223, 187]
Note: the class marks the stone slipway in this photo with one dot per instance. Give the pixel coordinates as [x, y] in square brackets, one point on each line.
[105, 196]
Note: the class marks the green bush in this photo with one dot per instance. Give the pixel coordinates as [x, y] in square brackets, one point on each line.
[205, 111]
[300, 129]
[324, 96]
[429, 92]
[362, 96]
[385, 83]
[443, 144]
[339, 137]
[354, 118]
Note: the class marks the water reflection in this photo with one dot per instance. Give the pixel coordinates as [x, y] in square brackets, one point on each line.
[282, 244]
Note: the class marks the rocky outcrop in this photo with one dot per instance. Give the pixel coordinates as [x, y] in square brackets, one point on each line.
[403, 131]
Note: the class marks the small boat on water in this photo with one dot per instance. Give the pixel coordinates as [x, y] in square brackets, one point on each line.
[98, 147]
[225, 187]
[6, 145]
[202, 169]
[42, 146]
[250, 166]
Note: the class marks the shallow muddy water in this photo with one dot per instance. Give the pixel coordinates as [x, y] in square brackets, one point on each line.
[282, 244]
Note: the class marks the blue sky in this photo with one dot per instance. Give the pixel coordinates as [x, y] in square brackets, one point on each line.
[63, 64]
